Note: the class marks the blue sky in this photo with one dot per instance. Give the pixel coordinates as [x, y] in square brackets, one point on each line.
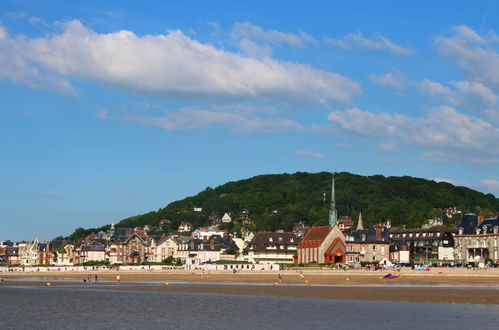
[110, 109]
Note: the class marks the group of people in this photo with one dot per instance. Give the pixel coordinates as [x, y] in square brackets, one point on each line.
[88, 279]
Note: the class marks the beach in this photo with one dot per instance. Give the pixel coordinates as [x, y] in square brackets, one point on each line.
[439, 285]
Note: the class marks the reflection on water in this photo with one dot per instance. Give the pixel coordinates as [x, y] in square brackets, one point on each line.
[52, 308]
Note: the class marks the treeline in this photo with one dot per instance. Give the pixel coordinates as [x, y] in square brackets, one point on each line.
[278, 201]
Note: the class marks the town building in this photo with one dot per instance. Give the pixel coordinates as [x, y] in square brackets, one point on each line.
[324, 244]
[345, 223]
[431, 244]
[399, 252]
[205, 232]
[93, 251]
[368, 245]
[477, 239]
[185, 227]
[226, 218]
[163, 249]
[270, 248]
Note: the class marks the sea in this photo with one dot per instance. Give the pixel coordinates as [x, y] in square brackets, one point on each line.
[66, 308]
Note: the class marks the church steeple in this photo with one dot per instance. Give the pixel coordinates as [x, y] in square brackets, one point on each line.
[360, 224]
[333, 215]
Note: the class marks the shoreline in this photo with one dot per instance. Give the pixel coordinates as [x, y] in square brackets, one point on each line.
[449, 288]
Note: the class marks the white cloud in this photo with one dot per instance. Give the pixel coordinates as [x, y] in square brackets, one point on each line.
[436, 89]
[378, 42]
[253, 49]
[491, 185]
[387, 147]
[475, 55]
[309, 154]
[450, 135]
[473, 96]
[246, 30]
[16, 67]
[394, 80]
[168, 65]
[240, 122]
[456, 183]
[103, 114]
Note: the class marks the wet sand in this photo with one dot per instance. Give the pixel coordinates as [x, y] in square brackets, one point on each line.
[436, 286]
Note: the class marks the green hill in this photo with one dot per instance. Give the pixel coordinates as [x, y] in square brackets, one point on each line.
[405, 200]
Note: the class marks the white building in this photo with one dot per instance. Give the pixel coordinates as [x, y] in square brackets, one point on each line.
[226, 218]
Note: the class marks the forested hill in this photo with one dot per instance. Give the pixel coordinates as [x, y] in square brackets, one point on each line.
[405, 200]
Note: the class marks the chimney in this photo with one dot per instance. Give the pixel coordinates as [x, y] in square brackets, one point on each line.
[378, 233]
[480, 218]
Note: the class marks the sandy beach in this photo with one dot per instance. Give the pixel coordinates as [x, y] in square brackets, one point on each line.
[460, 286]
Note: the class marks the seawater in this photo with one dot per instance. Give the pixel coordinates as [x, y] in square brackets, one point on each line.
[52, 308]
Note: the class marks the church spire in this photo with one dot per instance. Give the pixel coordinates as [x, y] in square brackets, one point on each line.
[360, 223]
[333, 215]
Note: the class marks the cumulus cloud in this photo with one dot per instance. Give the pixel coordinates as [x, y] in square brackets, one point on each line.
[377, 42]
[239, 122]
[448, 134]
[491, 185]
[16, 67]
[310, 154]
[168, 65]
[246, 30]
[475, 55]
[394, 80]
[473, 96]
[253, 49]
[436, 89]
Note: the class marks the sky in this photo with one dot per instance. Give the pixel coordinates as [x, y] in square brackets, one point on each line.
[110, 109]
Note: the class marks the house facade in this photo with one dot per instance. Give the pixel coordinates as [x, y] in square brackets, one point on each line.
[477, 239]
[432, 244]
[322, 245]
[271, 248]
[368, 245]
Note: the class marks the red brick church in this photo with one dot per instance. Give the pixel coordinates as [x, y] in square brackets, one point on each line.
[324, 244]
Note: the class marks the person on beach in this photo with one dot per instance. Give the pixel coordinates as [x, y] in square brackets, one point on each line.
[234, 271]
[95, 277]
[301, 275]
[118, 279]
[279, 278]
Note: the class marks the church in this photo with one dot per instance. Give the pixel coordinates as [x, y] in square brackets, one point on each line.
[324, 244]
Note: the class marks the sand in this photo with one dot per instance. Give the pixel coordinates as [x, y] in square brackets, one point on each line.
[437, 286]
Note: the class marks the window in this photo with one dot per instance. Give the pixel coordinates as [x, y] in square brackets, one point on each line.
[374, 247]
[270, 239]
[291, 240]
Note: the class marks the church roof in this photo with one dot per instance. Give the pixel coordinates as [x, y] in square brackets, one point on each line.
[317, 233]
